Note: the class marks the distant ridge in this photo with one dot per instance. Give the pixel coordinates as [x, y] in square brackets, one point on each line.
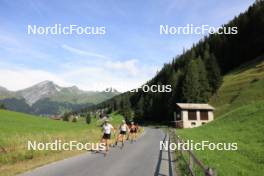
[62, 98]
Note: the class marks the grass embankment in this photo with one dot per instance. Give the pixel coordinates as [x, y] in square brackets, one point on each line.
[241, 87]
[17, 128]
[239, 118]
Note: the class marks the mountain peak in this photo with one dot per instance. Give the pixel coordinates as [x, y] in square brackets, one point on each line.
[4, 92]
[46, 82]
[39, 91]
[73, 89]
[3, 88]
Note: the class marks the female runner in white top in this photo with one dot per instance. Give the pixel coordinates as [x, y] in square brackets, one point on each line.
[122, 134]
[107, 128]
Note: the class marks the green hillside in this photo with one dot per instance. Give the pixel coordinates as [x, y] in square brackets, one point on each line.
[82, 97]
[17, 128]
[239, 119]
[242, 86]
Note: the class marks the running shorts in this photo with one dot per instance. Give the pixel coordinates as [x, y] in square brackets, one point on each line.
[106, 136]
[123, 132]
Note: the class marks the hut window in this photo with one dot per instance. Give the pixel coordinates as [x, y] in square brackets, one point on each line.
[204, 115]
[193, 123]
[192, 115]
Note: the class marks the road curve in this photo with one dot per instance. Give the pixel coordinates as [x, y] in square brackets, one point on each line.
[141, 158]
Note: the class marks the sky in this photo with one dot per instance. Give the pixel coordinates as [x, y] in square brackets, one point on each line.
[130, 52]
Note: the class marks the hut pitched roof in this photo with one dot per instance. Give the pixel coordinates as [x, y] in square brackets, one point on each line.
[197, 106]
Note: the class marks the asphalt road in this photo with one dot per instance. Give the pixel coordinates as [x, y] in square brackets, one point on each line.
[140, 158]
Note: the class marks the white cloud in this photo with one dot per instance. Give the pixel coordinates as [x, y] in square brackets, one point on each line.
[99, 78]
[82, 52]
[15, 79]
[97, 75]
[86, 78]
[128, 66]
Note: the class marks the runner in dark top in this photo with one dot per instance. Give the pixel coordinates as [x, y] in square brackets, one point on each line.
[132, 132]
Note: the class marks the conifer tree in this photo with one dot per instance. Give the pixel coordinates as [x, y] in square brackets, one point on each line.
[204, 88]
[190, 84]
[213, 73]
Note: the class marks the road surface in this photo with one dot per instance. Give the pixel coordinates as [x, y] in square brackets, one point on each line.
[141, 158]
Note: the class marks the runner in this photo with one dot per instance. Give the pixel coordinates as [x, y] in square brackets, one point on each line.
[122, 134]
[137, 130]
[107, 127]
[133, 132]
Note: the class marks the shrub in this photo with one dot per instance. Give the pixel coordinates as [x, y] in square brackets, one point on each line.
[66, 117]
[2, 106]
[88, 118]
[74, 119]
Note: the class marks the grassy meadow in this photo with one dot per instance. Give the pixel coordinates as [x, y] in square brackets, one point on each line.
[239, 119]
[17, 128]
[242, 86]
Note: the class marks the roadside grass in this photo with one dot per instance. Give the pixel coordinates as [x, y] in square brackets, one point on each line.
[16, 129]
[239, 116]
